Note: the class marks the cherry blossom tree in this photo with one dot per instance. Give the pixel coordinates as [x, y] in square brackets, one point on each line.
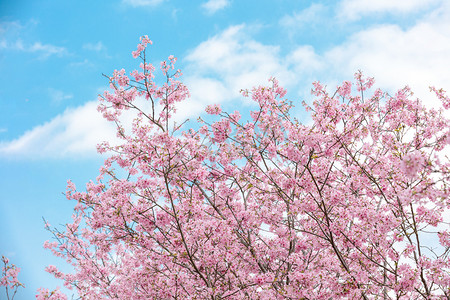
[352, 203]
[9, 278]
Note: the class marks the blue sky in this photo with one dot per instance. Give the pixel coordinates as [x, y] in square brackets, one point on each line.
[53, 54]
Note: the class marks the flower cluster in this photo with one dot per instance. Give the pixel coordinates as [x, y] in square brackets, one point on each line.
[9, 278]
[412, 163]
[141, 46]
[213, 109]
[441, 94]
[46, 294]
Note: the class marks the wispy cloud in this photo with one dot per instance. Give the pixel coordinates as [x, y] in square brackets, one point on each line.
[9, 26]
[46, 50]
[351, 10]
[43, 50]
[58, 96]
[81, 64]
[137, 3]
[303, 18]
[94, 47]
[12, 40]
[212, 6]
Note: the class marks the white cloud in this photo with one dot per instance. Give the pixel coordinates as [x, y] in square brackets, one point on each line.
[74, 133]
[137, 3]
[212, 6]
[203, 91]
[94, 47]
[351, 10]
[236, 61]
[304, 58]
[306, 66]
[417, 57]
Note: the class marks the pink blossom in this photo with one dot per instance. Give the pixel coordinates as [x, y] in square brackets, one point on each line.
[346, 89]
[412, 163]
[213, 109]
